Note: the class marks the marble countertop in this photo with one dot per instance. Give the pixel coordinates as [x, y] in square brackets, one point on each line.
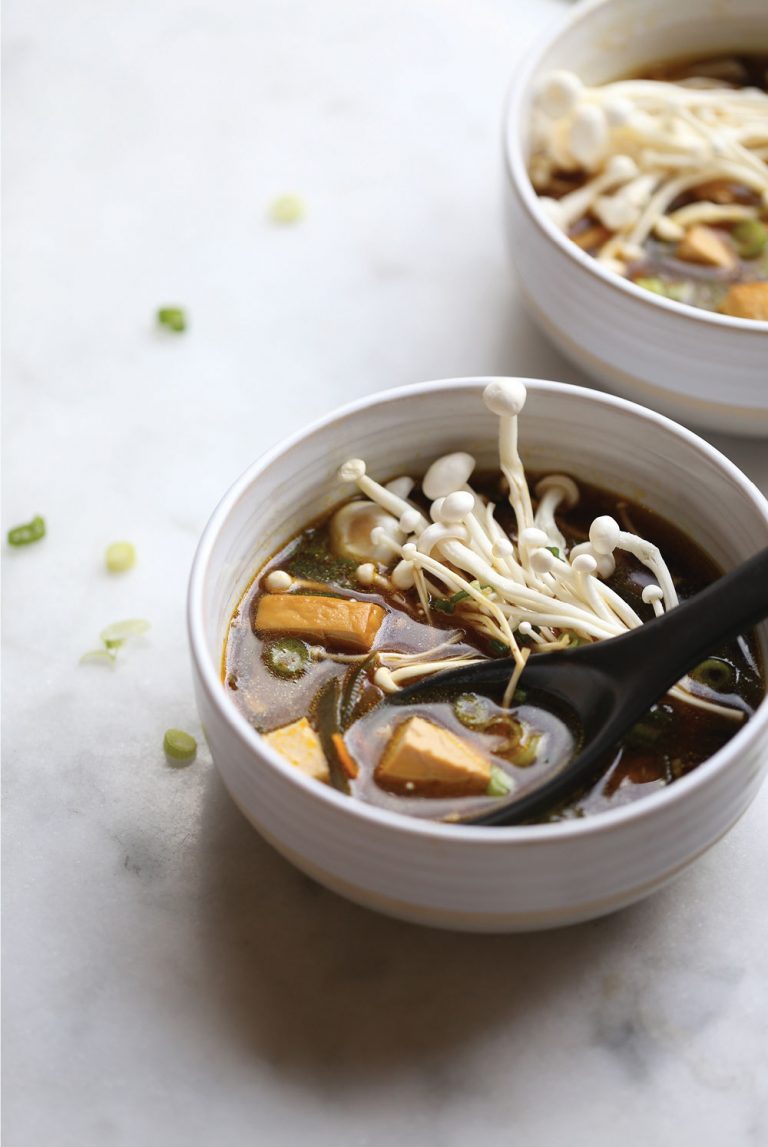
[168, 978]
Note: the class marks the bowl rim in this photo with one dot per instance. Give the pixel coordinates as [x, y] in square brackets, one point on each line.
[517, 172]
[209, 678]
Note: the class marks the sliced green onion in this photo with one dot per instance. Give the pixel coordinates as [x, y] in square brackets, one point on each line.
[472, 710]
[500, 648]
[658, 286]
[120, 556]
[750, 237]
[525, 754]
[447, 604]
[118, 632]
[716, 674]
[287, 657]
[499, 784]
[554, 550]
[29, 532]
[98, 657]
[180, 747]
[287, 209]
[173, 318]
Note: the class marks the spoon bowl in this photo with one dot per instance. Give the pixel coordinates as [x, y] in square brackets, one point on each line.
[607, 686]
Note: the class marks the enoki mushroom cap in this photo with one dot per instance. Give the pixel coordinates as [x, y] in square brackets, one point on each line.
[588, 135]
[621, 168]
[402, 575]
[278, 581]
[542, 561]
[402, 486]
[652, 593]
[533, 536]
[447, 474]
[604, 534]
[352, 470]
[409, 520]
[435, 509]
[584, 564]
[557, 93]
[569, 489]
[505, 397]
[456, 507]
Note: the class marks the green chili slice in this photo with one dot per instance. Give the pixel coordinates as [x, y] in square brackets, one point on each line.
[27, 533]
[287, 657]
[472, 710]
[716, 674]
[526, 752]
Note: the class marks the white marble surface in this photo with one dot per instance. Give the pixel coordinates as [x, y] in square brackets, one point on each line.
[169, 979]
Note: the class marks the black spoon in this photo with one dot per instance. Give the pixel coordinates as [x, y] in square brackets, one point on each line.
[609, 685]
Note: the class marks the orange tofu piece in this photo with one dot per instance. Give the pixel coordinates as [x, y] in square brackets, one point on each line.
[300, 745]
[336, 622]
[704, 245]
[424, 759]
[746, 301]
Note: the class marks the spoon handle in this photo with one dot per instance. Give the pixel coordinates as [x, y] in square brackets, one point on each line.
[688, 633]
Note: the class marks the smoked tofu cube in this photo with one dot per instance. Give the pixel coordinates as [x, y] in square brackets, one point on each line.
[706, 246]
[300, 745]
[746, 301]
[423, 759]
[335, 622]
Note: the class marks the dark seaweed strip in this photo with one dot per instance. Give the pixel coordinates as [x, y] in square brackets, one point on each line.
[354, 681]
[327, 721]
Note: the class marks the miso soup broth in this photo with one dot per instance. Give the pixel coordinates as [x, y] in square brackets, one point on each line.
[382, 592]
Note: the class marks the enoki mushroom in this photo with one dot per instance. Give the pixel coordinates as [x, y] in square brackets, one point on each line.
[533, 587]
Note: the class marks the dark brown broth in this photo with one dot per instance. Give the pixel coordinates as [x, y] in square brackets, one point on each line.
[674, 741]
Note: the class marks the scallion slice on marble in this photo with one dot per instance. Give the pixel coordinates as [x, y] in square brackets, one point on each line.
[120, 557]
[27, 533]
[180, 747]
[172, 318]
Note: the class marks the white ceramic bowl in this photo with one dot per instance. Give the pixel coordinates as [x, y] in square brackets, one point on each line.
[704, 368]
[486, 879]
